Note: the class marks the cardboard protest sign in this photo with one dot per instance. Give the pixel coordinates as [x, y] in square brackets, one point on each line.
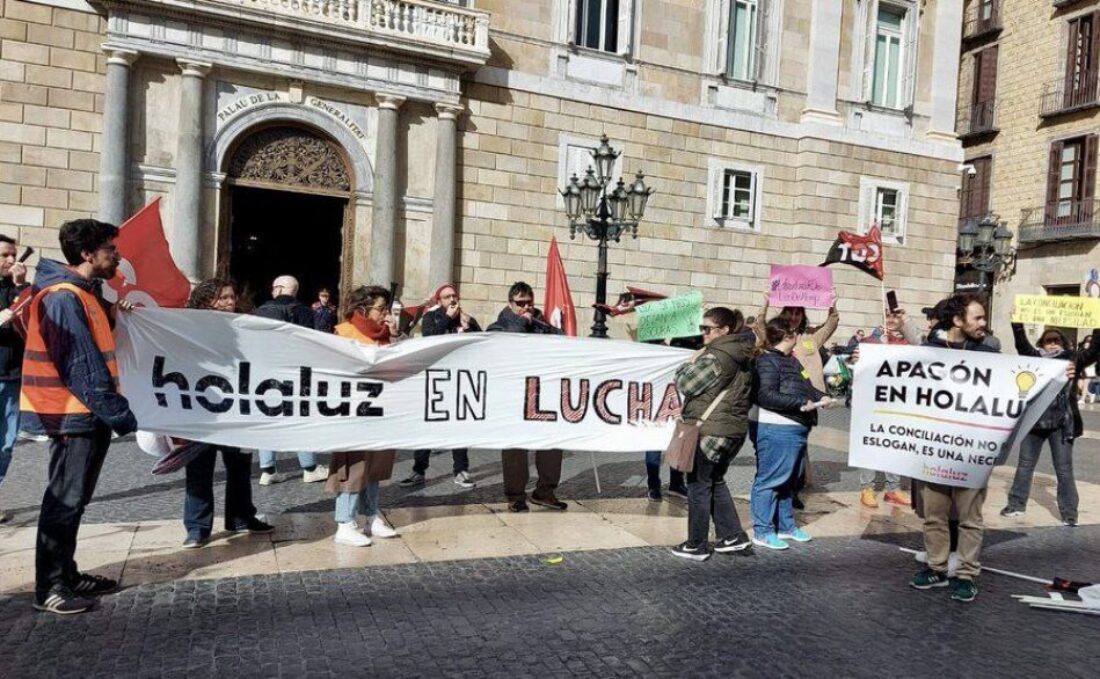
[246, 381]
[670, 318]
[1057, 311]
[943, 415]
[805, 286]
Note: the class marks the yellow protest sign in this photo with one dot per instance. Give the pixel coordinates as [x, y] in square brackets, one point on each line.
[1052, 310]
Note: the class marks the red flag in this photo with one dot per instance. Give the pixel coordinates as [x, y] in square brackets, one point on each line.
[863, 252]
[558, 308]
[147, 275]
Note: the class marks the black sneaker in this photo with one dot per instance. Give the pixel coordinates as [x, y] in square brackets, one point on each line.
[797, 503]
[1071, 522]
[678, 491]
[685, 551]
[741, 543]
[62, 601]
[963, 590]
[928, 578]
[518, 506]
[654, 496]
[87, 584]
[256, 526]
[549, 502]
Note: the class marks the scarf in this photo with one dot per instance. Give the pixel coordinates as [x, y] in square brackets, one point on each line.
[379, 332]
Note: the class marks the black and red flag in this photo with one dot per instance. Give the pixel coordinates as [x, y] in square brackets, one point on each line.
[861, 251]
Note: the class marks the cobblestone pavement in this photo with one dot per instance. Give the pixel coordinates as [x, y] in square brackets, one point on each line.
[833, 607]
[128, 492]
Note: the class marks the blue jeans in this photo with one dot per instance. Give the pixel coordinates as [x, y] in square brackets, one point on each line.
[267, 460]
[350, 505]
[9, 421]
[780, 449]
[653, 472]
[198, 504]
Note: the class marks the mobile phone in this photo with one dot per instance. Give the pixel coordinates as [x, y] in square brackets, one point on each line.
[892, 301]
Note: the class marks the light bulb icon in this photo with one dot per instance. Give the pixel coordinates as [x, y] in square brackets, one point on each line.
[1025, 382]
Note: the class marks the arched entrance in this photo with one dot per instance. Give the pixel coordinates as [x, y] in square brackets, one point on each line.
[287, 206]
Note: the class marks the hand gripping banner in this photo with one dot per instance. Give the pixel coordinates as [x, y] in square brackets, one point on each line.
[257, 383]
[942, 415]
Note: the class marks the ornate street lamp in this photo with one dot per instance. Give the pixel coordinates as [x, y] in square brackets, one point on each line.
[603, 213]
[986, 246]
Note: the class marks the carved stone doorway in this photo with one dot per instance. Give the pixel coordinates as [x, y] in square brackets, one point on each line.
[288, 211]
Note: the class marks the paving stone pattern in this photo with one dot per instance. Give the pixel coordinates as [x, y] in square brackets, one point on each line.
[834, 607]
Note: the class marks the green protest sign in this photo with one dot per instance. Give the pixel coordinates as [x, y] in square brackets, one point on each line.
[670, 318]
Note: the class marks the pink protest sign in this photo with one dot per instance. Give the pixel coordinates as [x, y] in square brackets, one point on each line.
[799, 285]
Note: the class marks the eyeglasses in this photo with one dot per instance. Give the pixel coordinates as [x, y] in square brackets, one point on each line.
[707, 329]
[524, 302]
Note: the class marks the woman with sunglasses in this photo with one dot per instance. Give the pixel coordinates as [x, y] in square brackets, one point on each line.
[356, 477]
[1057, 427]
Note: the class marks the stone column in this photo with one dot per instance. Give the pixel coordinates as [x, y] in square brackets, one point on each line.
[442, 249]
[186, 234]
[114, 160]
[822, 77]
[945, 69]
[384, 214]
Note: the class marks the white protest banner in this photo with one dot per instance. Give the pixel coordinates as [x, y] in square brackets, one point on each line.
[257, 383]
[942, 415]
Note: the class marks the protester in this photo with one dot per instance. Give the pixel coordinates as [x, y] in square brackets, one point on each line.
[1058, 426]
[356, 477]
[13, 280]
[324, 312]
[70, 393]
[962, 326]
[284, 306]
[1086, 373]
[896, 330]
[198, 507]
[785, 400]
[447, 318]
[521, 316]
[807, 351]
[716, 385]
[854, 341]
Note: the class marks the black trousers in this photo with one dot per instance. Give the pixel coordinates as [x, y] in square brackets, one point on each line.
[460, 460]
[75, 463]
[198, 504]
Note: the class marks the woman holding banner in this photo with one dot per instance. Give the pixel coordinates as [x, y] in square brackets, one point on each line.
[356, 477]
[1057, 427]
[786, 402]
[198, 506]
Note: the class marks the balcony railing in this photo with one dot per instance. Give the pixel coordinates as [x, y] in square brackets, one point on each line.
[978, 119]
[427, 23]
[1061, 221]
[980, 26]
[1057, 99]
[1059, 4]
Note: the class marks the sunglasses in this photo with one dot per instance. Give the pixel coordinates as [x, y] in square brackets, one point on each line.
[523, 303]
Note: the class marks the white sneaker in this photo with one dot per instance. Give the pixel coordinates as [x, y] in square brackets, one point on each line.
[349, 534]
[379, 528]
[463, 480]
[319, 473]
[952, 564]
[268, 478]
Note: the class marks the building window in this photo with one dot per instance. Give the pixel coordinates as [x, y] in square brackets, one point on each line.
[884, 203]
[889, 29]
[1081, 60]
[734, 195]
[742, 41]
[597, 25]
[1071, 180]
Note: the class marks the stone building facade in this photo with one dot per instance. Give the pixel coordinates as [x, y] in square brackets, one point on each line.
[1028, 118]
[417, 141]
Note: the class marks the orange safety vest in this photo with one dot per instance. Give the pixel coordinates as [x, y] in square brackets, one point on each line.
[43, 392]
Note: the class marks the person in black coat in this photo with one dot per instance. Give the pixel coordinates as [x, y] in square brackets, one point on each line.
[521, 316]
[447, 318]
[1058, 426]
[13, 280]
[785, 400]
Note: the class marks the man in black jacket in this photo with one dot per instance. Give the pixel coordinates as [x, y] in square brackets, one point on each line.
[447, 318]
[13, 280]
[521, 316]
[284, 306]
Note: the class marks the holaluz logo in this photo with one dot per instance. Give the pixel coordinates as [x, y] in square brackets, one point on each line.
[271, 397]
